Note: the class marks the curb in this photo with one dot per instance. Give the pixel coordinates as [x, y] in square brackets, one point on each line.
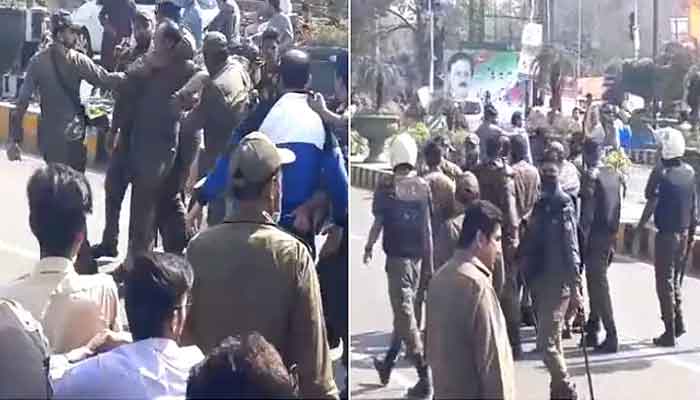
[30, 124]
[644, 156]
[365, 177]
[643, 247]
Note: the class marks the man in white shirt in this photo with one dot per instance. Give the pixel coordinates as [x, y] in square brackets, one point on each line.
[157, 301]
[72, 308]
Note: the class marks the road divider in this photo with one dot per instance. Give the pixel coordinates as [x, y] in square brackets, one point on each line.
[30, 125]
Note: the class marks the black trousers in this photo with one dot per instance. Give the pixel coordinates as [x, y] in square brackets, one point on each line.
[74, 154]
[333, 279]
[117, 181]
[157, 203]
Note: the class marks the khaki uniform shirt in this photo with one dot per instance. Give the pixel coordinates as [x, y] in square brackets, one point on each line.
[57, 109]
[252, 276]
[72, 308]
[447, 167]
[223, 105]
[527, 188]
[467, 342]
[497, 186]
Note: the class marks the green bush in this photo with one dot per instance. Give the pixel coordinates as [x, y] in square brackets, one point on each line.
[329, 35]
[420, 133]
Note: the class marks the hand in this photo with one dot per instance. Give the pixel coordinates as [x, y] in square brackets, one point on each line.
[14, 153]
[317, 103]
[302, 220]
[368, 256]
[333, 241]
[194, 218]
[190, 182]
[107, 340]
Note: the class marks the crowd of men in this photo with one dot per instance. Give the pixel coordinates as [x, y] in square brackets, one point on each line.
[503, 241]
[244, 309]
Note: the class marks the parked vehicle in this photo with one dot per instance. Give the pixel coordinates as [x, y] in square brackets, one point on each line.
[88, 17]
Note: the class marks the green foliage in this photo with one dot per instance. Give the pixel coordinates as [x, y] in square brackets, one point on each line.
[618, 161]
[420, 133]
[329, 35]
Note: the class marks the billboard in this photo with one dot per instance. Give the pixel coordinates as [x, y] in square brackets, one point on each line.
[477, 74]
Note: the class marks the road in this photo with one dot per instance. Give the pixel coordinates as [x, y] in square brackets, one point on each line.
[638, 371]
[19, 250]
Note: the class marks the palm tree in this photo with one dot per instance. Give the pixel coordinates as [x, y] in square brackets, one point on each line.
[377, 76]
[550, 68]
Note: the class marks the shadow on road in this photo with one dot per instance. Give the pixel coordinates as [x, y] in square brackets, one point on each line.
[365, 388]
[611, 363]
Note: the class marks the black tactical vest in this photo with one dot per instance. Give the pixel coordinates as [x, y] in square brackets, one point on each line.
[676, 195]
[404, 228]
[606, 201]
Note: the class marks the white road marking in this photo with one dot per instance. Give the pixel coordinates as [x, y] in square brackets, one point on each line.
[397, 377]
[19, 251]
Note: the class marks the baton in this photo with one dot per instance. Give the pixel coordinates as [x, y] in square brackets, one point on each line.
[585, 360]
[686, 258]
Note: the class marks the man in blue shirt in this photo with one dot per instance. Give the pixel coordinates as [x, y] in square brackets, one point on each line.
[292, 124]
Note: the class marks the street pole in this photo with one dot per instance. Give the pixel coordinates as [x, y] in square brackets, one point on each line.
[655, 49]
[432, 46]
[580, 27]
[636, 37]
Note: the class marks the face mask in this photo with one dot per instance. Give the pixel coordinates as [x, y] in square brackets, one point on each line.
[276, 216]
[549, 183]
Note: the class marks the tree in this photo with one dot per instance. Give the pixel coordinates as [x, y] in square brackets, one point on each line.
[550, 68]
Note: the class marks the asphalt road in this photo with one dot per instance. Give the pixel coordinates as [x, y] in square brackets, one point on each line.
[638, 371]
[19, 250]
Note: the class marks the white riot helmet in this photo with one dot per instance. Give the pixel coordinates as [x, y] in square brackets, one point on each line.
[403, 150]
[672, 143]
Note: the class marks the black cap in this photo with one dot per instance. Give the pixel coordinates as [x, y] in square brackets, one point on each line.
[61, 20]
[490, 111]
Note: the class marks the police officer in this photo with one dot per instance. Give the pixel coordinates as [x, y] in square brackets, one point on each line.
[155, 165]
[401, 208]
[56, 72]
[497, 186]
[117, 176]
[223, 105]
[671, 195]
[435, 161]
[471, 152]
[526, 180]
[601, 196]
[550, 262]
[489, 128]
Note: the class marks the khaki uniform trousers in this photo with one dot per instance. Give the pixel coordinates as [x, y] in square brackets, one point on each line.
[403, 275]
[552, 297]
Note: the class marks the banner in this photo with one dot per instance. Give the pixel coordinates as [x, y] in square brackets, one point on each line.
[694, 19]
[476, 75]
[531, 45]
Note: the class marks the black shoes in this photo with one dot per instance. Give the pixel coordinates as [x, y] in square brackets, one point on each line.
[609, 345]
[103, 250]
[591, 339]
[564, 391]
[680, 326]
[666, 340]
[384, 369]
[566, 333]
[423, 390]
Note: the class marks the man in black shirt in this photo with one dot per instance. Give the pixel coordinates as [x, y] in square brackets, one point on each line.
[672, 196]
[601, 194]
